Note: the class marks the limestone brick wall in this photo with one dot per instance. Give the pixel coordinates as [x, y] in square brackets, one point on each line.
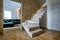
[1, 13]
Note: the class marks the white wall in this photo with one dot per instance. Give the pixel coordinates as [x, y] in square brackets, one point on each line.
[53, 14]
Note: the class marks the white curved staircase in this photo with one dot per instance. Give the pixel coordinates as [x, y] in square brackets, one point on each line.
[32, 26]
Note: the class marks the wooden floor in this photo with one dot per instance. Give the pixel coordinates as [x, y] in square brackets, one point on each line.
[17, 34]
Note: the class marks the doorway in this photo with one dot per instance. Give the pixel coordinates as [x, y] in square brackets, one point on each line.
[12, 14]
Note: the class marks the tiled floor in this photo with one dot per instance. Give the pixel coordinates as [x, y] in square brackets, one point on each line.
[17, 34]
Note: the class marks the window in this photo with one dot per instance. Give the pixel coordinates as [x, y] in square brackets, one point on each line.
[7, 15]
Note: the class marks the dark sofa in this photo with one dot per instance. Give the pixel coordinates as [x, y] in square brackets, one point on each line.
[10, 22]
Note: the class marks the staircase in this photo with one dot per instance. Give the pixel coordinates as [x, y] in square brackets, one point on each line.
[32, 26]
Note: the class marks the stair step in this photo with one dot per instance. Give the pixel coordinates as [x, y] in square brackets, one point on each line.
[32, 32]
[32, 28]
[35, 19]
[37, 16]
[36, 32]
[31, 24]
[31, 21]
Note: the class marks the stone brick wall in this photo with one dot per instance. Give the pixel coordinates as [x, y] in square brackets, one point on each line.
[29, 8]
[1, 13]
